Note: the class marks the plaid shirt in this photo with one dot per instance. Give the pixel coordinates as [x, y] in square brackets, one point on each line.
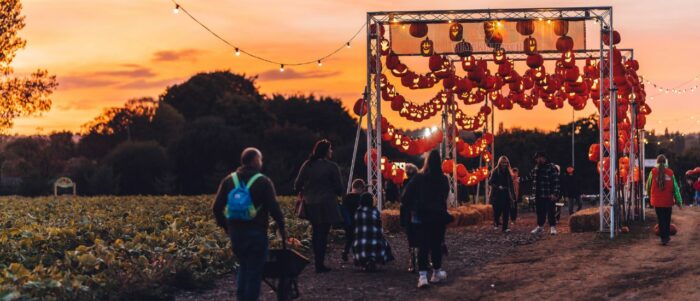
[369, 241]
[545, 181]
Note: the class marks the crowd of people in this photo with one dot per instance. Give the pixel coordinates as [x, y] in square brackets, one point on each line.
[246, 199]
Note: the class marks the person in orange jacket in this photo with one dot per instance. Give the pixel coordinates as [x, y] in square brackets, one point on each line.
[664, 193]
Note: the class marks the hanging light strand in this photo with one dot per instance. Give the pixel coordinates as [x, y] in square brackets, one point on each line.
[239, 50]
[674, 90]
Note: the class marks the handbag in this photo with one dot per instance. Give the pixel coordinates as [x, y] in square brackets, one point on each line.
[300, 207]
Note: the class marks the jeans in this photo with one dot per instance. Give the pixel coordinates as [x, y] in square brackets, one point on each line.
[663, 215]
[430, 239]
[501, 208]
[319, 242]
[251, 248]
[545, 211]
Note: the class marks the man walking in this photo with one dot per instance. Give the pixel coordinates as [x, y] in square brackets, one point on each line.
[570, 189]
[242, 207]
[545, 187]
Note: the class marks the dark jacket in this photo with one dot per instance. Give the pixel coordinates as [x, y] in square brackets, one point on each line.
[320, 184]
[502, 184]
[263, 195]
[545, 181]
[569, 187]
[427, 195]
[351, 202]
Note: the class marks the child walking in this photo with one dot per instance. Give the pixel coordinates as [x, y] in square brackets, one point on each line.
[351, 202]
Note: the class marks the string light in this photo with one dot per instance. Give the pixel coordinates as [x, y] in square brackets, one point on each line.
[238, 50]
[675, 90]
[319, 63]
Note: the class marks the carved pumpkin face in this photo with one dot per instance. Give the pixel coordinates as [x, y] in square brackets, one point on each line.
[386, 47]
[469, 63]
[405, 143]
[568, 59]
[499, 56]
[530, 45]
[456, 32]
[426, 47]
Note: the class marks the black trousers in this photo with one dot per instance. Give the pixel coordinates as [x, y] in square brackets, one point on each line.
[514, 212]
[319, 242]
[545, 211]
[501, 209]
[430, 240]
[663, 215]
[349, 237]
[574, 200]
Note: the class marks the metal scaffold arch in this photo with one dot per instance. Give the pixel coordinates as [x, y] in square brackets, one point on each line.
[618, 199]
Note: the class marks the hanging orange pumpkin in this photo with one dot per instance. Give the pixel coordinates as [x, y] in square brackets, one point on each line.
[456, 32]
[530, 45]
[535, 61]
[461, 171]
[525, 27]
[373, 31]
[565, 43]
[568, 59]
[463, 49]
[418, 30]
[447, 166]
[594, 153]
[426, 47]
[606, 37]
[561, 27]
[499, 56]
[360, 108]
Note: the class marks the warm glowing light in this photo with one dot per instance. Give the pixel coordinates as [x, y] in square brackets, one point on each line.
[549, 21]
[347, 44]
[238, 52]
[540, 19]
[282, 68]
[426, 132]
[319, 63]
[176, 10]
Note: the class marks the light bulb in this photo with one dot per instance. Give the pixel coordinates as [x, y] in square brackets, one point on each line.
[238, 52]
[176, 10]
[347, 44]
[426, 132]
[319, 63]
[282, 68]
[549, 21]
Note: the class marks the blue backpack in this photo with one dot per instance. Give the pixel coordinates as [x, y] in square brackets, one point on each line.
[239, 205]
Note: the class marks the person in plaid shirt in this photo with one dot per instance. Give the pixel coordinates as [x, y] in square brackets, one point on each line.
[545, 187]
[370, 247]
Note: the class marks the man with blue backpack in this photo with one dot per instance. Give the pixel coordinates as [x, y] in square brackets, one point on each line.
[243, 205]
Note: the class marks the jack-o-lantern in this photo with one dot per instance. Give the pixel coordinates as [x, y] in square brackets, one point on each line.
[386, 47]
[400, 70]
[565, 43]
[594, 153]
[525, 27]
[535, 61]
[426, 47]
[560, 27]
[435, 62]
[397, 103]
[468, 63]
[568, 59]
[492, 35]
[456, 32]
[540, 73]
[463, 49]
[530, 45]
[499, 56]
[606, 37]
[373, 31]
[418, 30]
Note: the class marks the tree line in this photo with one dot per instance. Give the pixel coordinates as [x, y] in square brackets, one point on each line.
[187, 139]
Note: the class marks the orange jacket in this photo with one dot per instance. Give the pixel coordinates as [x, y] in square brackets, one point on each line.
[663, 197]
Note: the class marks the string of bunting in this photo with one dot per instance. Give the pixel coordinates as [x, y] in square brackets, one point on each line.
[238, 50]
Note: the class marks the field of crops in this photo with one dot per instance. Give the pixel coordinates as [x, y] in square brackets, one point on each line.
[106, 248]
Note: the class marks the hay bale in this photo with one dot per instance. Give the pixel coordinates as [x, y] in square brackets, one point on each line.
[469, 216]
[391, 220]
[587, 220]
[485, 210]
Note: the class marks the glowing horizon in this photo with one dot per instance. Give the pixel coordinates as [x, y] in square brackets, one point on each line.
[109, 52]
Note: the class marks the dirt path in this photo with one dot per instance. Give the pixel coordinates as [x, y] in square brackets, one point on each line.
[487, 265]
[580, 267]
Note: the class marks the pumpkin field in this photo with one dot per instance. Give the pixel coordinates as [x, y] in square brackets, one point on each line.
[106, 248]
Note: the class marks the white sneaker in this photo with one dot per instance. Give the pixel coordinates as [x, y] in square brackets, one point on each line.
[537, 230]
[423, 281]
[553, 230]
[507, 231]
[438, 276]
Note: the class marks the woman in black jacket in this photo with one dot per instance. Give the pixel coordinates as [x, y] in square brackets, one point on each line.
[502, 192]
[320, 184]
[428, 190]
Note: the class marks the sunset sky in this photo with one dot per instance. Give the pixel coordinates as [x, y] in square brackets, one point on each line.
[108, 51]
